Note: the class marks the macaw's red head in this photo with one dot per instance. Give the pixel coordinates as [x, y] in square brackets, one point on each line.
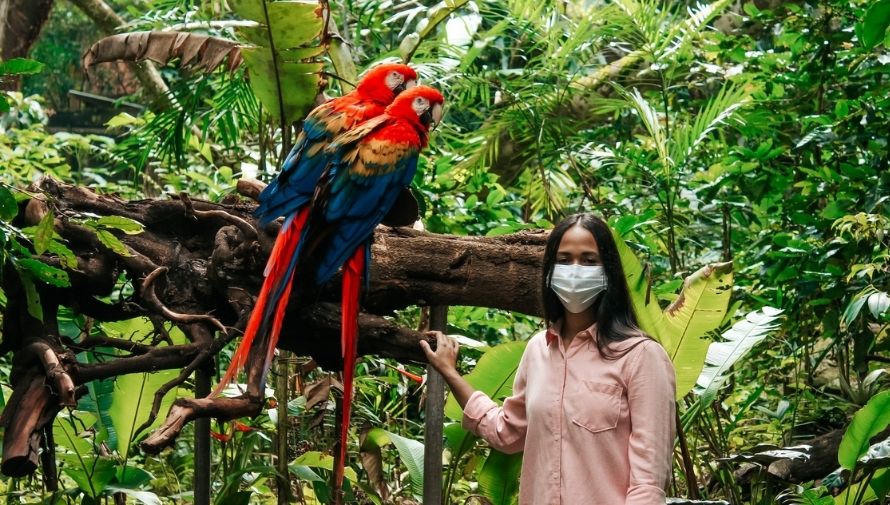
[421, 105]
[383, 82]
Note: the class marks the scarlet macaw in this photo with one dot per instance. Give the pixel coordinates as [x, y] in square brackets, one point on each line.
[370, 165]
[364, 171]
[295, 184]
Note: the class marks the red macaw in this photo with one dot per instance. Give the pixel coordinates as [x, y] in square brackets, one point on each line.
[305, 162]
[370, 165]
[295, 185]
[331, 225]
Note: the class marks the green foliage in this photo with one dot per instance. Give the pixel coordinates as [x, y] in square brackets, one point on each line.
[410, 452]
[283, 76]
[866, 423]
[737, 342]
[873, 28]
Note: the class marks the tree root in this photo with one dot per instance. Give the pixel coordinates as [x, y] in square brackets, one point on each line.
[185, 410]
[148, 294]
[247, 229]
[55, 372]
[163, 390]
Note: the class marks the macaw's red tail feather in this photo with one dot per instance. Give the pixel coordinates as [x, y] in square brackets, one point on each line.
[352, 282]
[273, 296]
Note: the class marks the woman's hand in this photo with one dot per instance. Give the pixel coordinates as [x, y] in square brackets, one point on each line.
[444, 358]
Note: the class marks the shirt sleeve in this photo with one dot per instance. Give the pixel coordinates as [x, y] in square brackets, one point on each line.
[502, 427]
[651, 392]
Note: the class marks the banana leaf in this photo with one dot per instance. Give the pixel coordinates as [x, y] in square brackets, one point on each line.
[683, 327]
[866, 423]
[282, 63]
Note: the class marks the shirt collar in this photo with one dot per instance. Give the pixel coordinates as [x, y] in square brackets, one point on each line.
[553, 332]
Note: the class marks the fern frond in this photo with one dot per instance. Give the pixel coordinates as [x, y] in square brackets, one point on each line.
[719, 111]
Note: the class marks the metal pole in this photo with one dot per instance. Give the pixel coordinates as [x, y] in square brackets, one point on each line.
[435, 420]
[202, 441]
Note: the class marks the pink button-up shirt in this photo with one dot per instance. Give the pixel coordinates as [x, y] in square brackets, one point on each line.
[594, 431]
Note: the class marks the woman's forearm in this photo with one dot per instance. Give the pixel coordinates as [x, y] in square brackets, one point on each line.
[460, 388]
[444, 360]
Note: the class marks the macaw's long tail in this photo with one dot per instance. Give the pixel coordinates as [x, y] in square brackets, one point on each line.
[268, 312]
[352, 281]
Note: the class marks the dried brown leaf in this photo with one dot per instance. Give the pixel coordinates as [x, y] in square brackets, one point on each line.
[201, 52]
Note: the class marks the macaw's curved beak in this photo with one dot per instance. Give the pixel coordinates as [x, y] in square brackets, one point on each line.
[432, 116]
[405, 85]
[437, 114]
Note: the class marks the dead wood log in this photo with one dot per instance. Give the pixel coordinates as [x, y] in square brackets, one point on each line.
[30, 409]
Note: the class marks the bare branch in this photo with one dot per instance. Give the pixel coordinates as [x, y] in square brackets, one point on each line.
[148, 294]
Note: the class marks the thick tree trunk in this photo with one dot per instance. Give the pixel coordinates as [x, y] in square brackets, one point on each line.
[20, 25]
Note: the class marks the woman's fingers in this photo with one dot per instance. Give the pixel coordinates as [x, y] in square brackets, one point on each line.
[427, 349]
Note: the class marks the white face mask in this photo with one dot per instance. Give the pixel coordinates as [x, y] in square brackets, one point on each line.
[577, 286]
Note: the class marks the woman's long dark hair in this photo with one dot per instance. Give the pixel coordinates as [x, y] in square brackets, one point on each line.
[614, 312]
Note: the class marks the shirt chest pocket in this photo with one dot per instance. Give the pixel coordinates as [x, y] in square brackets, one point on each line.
[596, 406]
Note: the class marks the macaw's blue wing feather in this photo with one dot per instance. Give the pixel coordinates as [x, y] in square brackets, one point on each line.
[365, 183]
[294, 186]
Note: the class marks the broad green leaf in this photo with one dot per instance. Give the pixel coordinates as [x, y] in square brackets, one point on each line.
[4, 103]
[698, 310]
[67, 428]
[132, 477]
[123, 119]
[62, 251]
[98, 400]
[874, 24]
[866, 423]
[293, 23]
[19, 66]
[316, 459]
[145, 497]
[493, 375]
[45, 273]
[93, 476]
[133, 394]
[458, 440]
[110, 241]
[341, 57]
[499, 477]
[410, 452]
[124, 224]
[8, 206]
[43, 234]
[131, 404]
[646, 307]
[301, 80]
[880, 482]
[32, 298]
[290, 74]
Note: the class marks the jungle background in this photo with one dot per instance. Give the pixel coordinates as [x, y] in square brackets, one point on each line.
[738, 146]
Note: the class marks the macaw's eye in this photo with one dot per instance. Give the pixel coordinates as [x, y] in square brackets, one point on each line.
[420, 102]
[395, 75]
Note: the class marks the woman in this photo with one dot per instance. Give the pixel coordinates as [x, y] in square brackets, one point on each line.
[593, 399]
